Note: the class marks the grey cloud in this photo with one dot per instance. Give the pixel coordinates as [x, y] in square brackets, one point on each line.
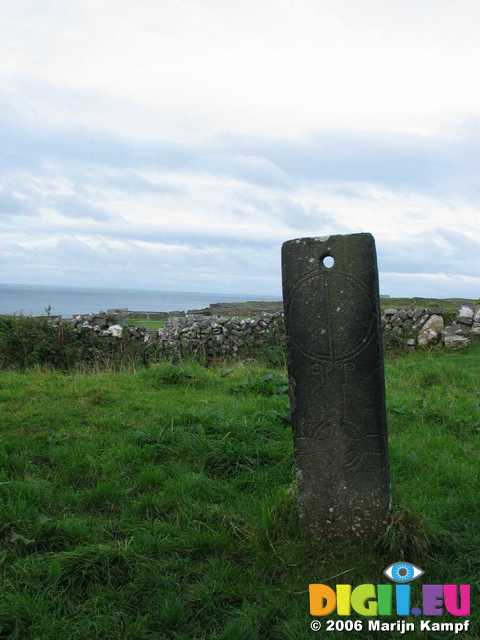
[73, 261]
[428, 285]
[26, 148]
[297, 216]
[290, 212]
[71, 206]
[12, 206]
[440, 164]
[180, 237]
[30, 202]
[133, 183]
[439, 251]
[249, 168]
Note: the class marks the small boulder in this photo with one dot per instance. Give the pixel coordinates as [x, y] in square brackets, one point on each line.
[431, 330]
[476, 322]
[115, 331]
[465, 315]
[456, 341]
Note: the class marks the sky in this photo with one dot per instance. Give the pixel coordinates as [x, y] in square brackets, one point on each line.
[176, 144]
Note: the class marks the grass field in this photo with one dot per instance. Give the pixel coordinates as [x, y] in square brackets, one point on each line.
[144, 322]
[156, 504]
[445, 304]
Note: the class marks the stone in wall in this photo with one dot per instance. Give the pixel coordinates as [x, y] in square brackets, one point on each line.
[465, 315]
[453, 340]
[115, 330]
[476, 323]
[431, 331]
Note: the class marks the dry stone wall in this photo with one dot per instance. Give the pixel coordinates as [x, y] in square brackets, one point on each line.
[417, 327]
[211, 337]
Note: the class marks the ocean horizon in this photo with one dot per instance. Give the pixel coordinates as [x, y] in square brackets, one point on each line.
[29, 299]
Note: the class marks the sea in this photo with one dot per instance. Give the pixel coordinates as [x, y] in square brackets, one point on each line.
[68, 301]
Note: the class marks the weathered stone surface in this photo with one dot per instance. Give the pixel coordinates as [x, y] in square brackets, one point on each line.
[476, 322]
[465, 315]
[431, 330]
[454, 341]
[115, 330]
[336, 381]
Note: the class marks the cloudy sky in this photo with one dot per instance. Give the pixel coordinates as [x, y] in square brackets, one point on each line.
[176, 144]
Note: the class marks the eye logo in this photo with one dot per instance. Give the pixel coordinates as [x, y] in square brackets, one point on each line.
[403, 572]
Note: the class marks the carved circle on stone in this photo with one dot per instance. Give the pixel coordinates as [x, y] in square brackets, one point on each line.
[332, 434]
[330, 315]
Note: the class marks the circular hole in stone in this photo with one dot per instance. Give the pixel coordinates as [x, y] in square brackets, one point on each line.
[328, 262]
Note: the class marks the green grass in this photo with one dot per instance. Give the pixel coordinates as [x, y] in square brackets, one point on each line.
[148, 324]
[157, 505]
[446, 304]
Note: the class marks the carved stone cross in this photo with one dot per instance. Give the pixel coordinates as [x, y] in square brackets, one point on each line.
[337, 389]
